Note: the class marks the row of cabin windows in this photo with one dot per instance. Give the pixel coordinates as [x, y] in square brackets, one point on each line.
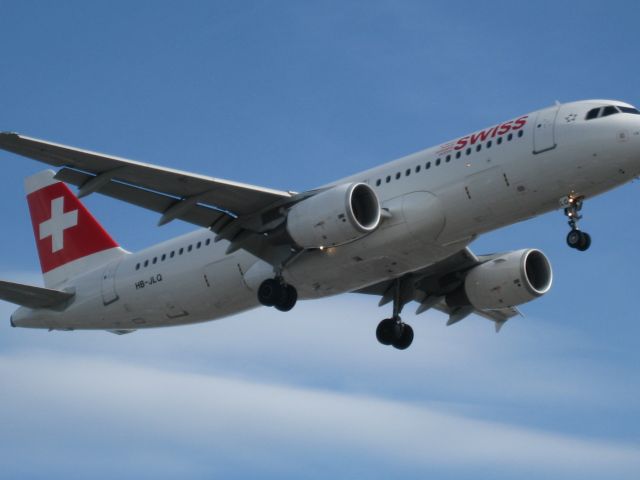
[600, 112]
[171, 254]
[448, 158]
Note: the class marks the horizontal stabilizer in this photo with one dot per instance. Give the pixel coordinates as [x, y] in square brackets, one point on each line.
[31, 296]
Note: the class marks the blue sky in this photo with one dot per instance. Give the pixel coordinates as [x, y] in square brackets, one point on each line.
[291, 95]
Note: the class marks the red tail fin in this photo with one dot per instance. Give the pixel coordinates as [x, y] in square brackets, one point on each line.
[66, 233]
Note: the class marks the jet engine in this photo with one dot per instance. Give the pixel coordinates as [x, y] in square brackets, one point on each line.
[506, 281]
[335, 216]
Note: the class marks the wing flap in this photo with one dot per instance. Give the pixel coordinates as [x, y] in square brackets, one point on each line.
[197, 214]
[238, 198]
[33, 297]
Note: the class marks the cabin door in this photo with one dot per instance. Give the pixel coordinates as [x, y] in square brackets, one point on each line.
[544, 135]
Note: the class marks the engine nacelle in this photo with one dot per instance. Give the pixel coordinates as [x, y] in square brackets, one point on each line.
[509, 280]
[335, 216]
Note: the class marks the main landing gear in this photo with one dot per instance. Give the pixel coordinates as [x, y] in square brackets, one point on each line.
[393, 331]
[274, 292]
[576, 238]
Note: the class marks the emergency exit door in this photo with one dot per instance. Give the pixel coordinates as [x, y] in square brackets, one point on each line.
[109, 294]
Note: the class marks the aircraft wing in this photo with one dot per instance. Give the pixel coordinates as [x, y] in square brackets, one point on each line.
[430, 285]
[33, 297]
[235, 211]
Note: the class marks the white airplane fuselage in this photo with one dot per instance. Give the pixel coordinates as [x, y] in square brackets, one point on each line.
[438, 201]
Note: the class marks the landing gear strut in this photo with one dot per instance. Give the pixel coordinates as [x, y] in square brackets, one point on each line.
[393, 331]
[274, 292]
[576, 238]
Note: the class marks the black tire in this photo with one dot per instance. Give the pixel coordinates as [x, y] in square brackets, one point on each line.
[388, 331]
[574, 237]
[288, 300]
[270, 292]
[406, 338]
[585, 242]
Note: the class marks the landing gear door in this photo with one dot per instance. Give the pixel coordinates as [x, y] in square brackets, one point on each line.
[109, 294]
[544, 133]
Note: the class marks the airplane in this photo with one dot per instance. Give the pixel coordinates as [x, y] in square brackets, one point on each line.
[400, 231]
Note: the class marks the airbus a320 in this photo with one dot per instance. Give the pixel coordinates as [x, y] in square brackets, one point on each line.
[400, 231]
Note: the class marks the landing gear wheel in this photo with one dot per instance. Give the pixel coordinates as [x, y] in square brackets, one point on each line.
[270, 292]
[288, 298]
[406, 337]
[573, 238]
[274, 293]
[392, 331]
[388, 331]
[576, 238]
[585, 242]
[579, 240]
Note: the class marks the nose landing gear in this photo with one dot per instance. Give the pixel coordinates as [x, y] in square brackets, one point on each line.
[576, 238]
[393, 331]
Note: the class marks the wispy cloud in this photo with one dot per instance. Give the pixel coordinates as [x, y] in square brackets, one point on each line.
[54, 404]
[279, 393]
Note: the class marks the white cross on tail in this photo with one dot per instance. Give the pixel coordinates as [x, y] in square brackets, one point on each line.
[57, 224]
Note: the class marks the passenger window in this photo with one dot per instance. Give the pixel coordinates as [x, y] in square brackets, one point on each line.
[190, 248]
[388, 178]
[146, 263]
[448, 158]
[155, 259]
[427, 166]
[209, 240]
[489, 143]
[137, 266]
[510, 137]
[199, 245]
[378, 182]
[479, 147]
[418, 168]
[180, 251]
[499, 141]
[164, 257]
[398, 175]
[437, 162]
[520, 133]
[408, 172]
[610, 110]
[468, 152]
[458, 154]
[172, 253]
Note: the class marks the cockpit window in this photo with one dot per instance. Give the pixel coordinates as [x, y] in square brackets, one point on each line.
[593, 113]
[629, 110]
[610, 110]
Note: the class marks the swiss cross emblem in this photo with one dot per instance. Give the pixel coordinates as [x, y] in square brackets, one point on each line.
[57, 224]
